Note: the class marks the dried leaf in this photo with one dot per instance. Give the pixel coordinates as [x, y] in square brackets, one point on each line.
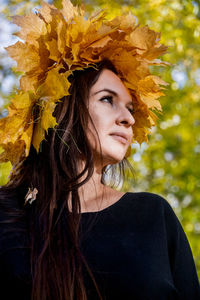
[68, 10]
[47, 120]
[149, 90]
[16, 129]
[13, 152]
[31, 195]
[32, 27]
[56, 85]
[26, 56]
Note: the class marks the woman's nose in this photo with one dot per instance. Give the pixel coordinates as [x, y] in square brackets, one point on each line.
[126, 118]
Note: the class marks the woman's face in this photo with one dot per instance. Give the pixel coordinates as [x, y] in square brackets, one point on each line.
[110, 108]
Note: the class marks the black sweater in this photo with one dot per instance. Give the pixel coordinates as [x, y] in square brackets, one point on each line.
[136, 249]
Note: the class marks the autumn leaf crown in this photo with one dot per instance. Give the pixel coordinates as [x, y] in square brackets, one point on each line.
[58, 42]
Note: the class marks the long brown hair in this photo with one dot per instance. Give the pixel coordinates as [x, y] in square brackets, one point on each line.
[53, 226]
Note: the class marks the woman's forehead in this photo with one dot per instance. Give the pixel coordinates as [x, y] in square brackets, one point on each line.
[108, 81]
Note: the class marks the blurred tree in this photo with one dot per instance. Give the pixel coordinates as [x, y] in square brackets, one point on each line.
[169, 164]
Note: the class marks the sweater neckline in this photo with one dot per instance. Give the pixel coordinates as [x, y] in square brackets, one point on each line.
[116, 203]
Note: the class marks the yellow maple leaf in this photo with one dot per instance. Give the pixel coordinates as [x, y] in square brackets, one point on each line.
[47, 120]
[56, 85]
[16, 129]
[101, 42]
[44, 122]
[32, 27]
[38, 136]
[29, 82]
[149, 91]
[54, 53]
[47, 11]
[62, 36]
[25, 55]
[13, 152]
[68, 10]
[143, 38]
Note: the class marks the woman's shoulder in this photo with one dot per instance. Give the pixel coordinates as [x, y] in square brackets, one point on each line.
[151, 208]
[152, 202]
[147, 200]
[145, 196]
[146, 208]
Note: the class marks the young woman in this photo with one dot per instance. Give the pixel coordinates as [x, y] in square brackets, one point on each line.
[64, 233]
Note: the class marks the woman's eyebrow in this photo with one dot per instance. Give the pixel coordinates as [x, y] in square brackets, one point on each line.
[106, 90]
[109, 91]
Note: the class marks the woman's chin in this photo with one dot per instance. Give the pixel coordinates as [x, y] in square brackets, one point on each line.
[114, 158]
[110, 157]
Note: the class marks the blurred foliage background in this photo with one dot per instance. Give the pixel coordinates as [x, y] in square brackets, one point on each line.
[169, 165]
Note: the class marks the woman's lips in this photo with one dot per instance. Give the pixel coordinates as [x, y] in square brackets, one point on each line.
[121, 138]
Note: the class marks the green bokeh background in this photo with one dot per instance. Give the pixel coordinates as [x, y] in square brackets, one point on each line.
[170, 164]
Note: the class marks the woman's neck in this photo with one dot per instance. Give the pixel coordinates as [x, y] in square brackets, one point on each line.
[94, 195]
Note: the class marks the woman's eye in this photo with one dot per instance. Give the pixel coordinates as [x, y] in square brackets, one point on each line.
[131, 110]
[108, 99]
